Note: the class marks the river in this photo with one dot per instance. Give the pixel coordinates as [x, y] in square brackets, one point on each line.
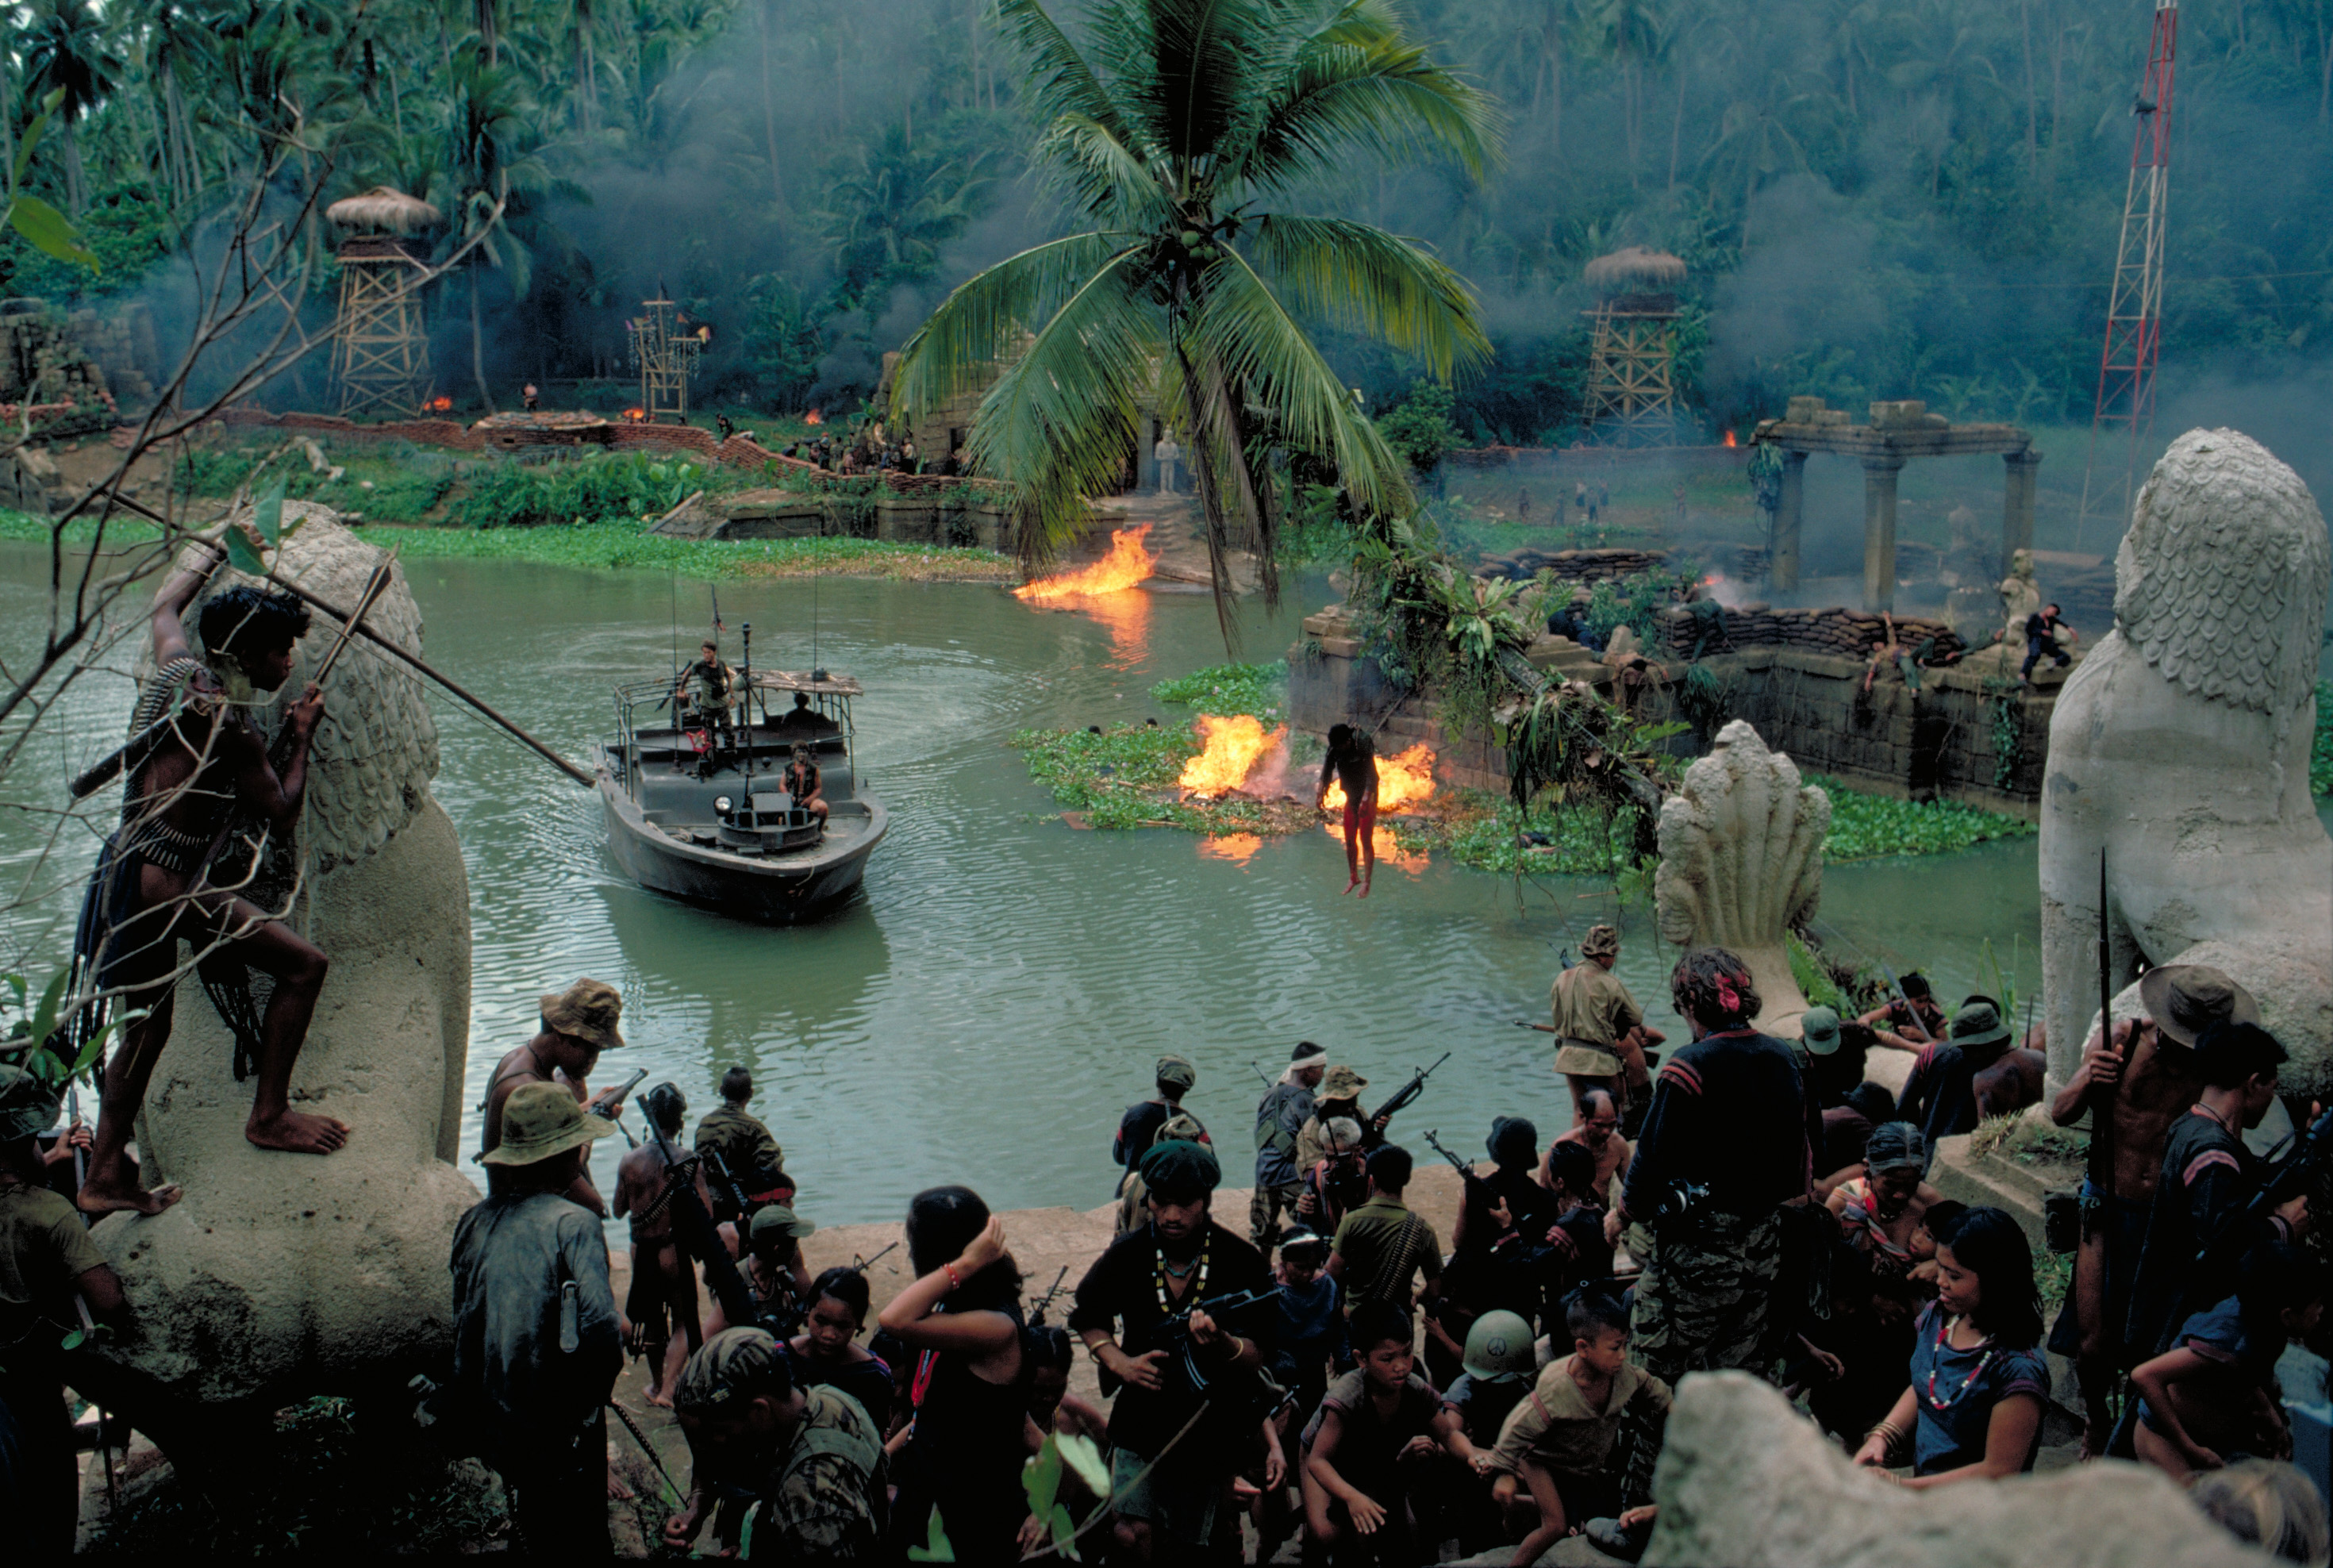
[997, 994]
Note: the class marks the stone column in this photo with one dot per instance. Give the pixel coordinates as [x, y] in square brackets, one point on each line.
[1790, 516]
[1879, 532]
[2017, 503]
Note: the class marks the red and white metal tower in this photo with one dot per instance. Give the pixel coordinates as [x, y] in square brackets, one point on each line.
[2135, 305]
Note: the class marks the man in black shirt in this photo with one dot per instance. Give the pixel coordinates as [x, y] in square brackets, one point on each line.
[2041, 631]
[1147, 1278]
[1138, 1129]
[1724, 1147]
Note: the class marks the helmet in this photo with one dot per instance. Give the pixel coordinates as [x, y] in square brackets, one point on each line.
[1499, 1349]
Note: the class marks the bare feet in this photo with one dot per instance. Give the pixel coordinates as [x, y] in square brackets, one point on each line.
[296, 1133]
[616, 1491]
[97, 1198]
[1353, 883]
[1365, 889]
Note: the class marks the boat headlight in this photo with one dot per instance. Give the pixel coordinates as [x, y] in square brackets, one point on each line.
[721, 803]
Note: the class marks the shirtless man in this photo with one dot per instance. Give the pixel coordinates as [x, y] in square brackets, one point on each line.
[663, 1294]
[2148, 1081]
[153, 887]
[1915, 1030]
[803, 781]
[578, 1024]
[1600, 1133]
[1352, 765]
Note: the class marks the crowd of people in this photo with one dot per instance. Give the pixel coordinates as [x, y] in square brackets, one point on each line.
[870, 449]
[1332, 1372]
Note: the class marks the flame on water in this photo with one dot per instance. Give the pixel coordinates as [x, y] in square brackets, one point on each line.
[814, 417]
[1236, 847]
[1129, 562]
[1125, 616]
[1233, 748]
[1403, 781]
[1730, 440]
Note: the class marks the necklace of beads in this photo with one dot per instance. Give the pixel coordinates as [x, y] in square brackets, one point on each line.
[1196, 1270]
[1976, 1371]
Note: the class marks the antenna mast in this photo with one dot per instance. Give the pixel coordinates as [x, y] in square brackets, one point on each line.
[2135, 307]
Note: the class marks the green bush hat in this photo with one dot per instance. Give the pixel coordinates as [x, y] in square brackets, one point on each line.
[1978, 1023]
[1176, 1073]
[28, 1108]
[1818, 1028]
[540, 1120]
[588, 1010]
[775, 1217]
[1341, 1083]
[734, 1364]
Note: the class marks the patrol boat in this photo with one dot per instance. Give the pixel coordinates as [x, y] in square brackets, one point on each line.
[703, 816]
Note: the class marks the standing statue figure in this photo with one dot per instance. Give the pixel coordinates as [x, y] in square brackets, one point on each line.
[274, 1279]
[2021, 597]
[1742, 864]
[2179, 749]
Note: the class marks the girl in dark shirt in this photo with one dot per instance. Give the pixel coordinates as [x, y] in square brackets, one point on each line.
[963, 1314]
[1974, 1410]
[828, 1351]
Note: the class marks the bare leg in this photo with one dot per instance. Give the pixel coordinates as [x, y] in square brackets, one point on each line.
[111, 1183]
[298, 968]
[1369, 836]
[1352, 852]
[2094, 1369]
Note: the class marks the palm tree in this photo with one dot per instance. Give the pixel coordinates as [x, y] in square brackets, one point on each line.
[65, 48]
[1163, 135]
[491, 160]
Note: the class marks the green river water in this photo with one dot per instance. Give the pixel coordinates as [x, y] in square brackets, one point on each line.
[996, 996]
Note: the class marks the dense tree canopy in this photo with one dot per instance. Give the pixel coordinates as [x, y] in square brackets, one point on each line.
[1913, 199]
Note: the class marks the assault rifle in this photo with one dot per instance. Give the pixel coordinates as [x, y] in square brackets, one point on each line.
[728, 1182]
[1407, 1095]
[610, 1102]
[1512, 1250]
[1227, 1310]
[1044, 1303]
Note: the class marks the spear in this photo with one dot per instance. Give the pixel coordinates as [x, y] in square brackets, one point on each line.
[388, 646]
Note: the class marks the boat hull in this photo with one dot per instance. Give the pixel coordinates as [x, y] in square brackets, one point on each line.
[770, 890]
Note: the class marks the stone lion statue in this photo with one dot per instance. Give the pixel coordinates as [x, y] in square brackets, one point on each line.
[1741, 863]
[2179, 749]
[277, 1275]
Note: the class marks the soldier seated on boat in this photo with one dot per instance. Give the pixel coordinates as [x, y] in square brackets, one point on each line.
[703, 691]
[804, 719]
[802, 781]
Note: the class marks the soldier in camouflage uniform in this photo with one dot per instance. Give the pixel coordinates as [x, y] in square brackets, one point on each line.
[808, 1460]
[1724, 1147]
[751, 1155]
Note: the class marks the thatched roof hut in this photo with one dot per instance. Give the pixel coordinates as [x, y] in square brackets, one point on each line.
[382, 210]
[1634, 268]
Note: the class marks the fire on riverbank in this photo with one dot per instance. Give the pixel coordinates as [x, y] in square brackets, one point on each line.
[1130, 561]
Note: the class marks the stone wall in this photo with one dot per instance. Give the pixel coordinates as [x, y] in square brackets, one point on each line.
[1938, 742]
[49, 355]
[1742, 562]
[1590, 462]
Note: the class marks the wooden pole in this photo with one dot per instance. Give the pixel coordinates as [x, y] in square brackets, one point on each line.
[571, 770]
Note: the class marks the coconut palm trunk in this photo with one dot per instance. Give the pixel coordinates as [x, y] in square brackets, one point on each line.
[1174, 128]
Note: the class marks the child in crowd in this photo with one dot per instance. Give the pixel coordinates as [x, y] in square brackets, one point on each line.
[1973, 1408]
[1312, 1340]
[828, 1351]
[1501, 1362]
[2214, 1394]
[1561, 1442]
[1940, 1216]
[1370, 1449]
[1581, 1254]
[1873, 1300]
[2268, 1504]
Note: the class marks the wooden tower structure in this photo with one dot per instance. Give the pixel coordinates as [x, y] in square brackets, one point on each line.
[380, 348]
[665, 346]
[1632, 359]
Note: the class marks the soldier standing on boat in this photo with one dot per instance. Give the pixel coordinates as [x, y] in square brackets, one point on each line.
[706, 687]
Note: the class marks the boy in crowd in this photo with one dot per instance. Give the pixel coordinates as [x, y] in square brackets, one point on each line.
[1562, 1442]
[1369, 1451]
[1382, 1246]
[1599, 1133]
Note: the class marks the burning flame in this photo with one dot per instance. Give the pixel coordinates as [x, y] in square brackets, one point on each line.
[814, 417]
[1233, 746]
[1730, 440]
[1237, 848]
[1129, 562]
[1403, 781]
[635, 414]
[439, 405]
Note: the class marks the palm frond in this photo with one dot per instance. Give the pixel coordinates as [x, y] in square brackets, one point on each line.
[1059, 422]
[959, 348]
[1358, 84]
[1103, 176]
[1360, 277]
[1057, 78]
[1202, 53]
[1246, 328]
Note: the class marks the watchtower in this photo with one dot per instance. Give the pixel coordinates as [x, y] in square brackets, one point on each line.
[1631, 362]
[665, 346]
[380, 349]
